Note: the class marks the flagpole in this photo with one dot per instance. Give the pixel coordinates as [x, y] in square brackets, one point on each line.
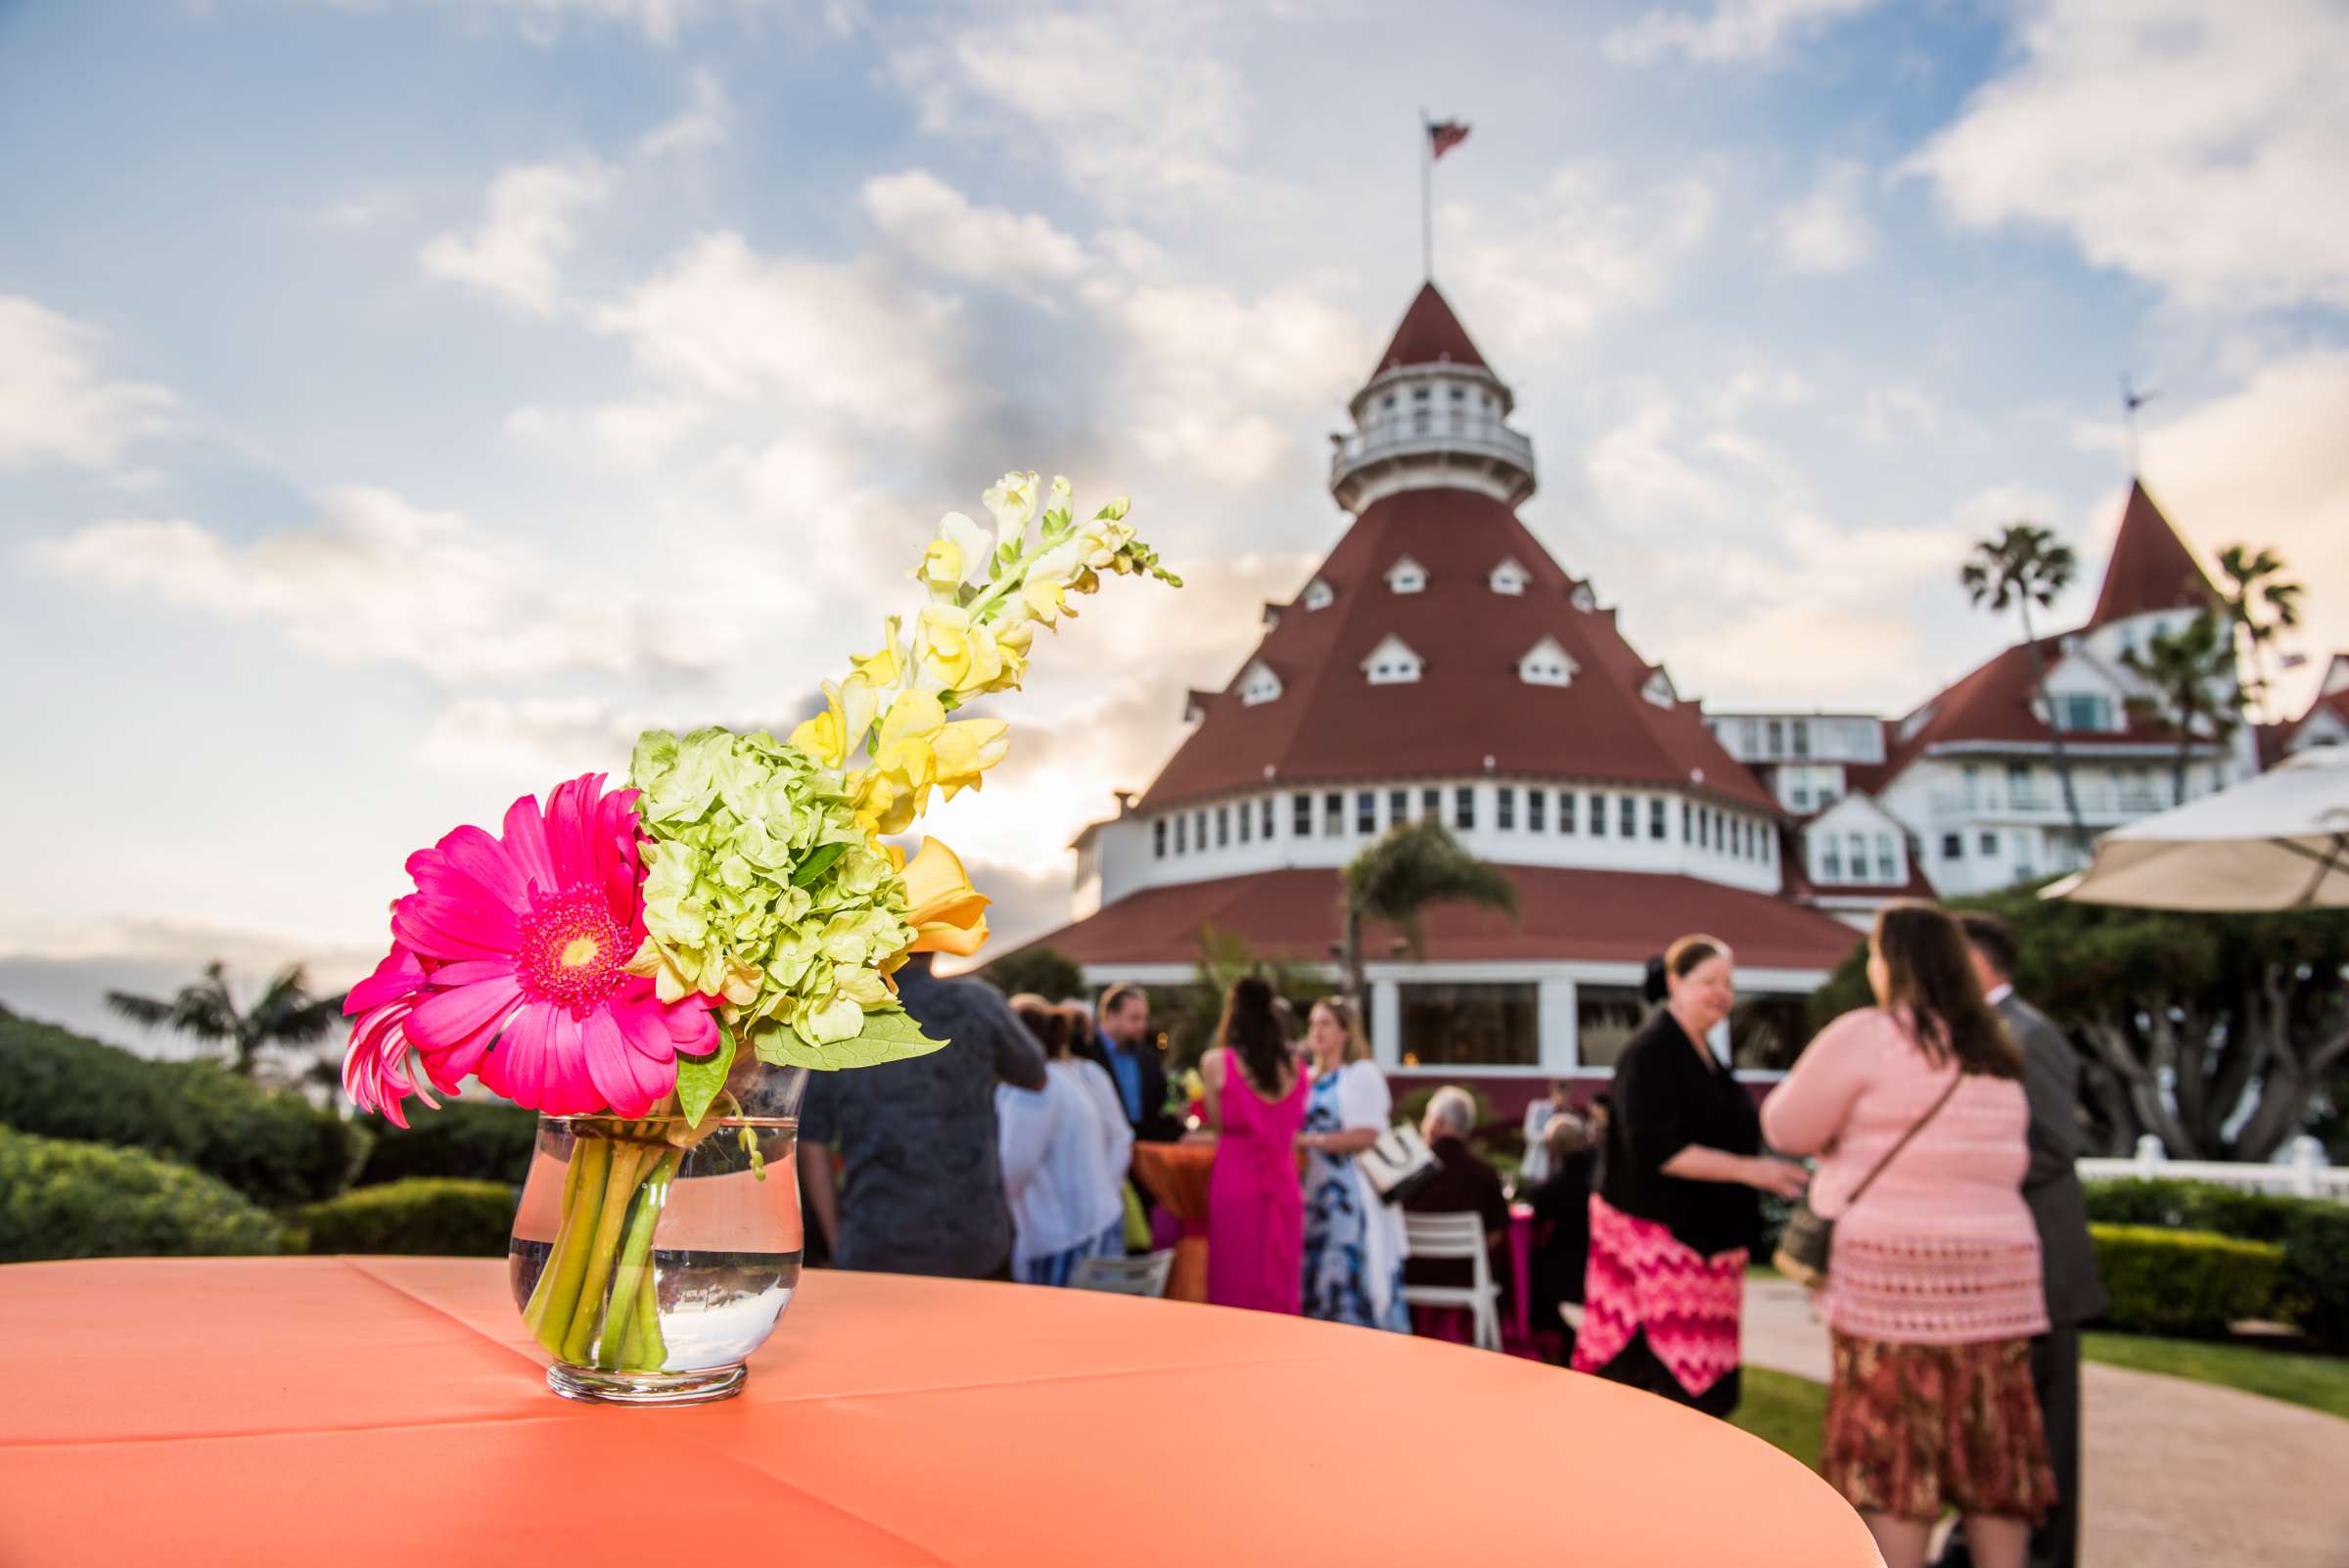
[1427, 210]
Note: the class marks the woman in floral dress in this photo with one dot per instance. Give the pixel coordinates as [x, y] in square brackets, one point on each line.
[1354, 1245]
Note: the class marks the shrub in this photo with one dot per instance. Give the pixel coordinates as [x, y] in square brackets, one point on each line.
[440, 1217]
[2312, 1288]
[466, 1138]
[60, 1199]
[276, 1148]
[2165, 1282]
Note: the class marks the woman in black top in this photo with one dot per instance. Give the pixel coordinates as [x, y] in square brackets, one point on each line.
[1683, 1153]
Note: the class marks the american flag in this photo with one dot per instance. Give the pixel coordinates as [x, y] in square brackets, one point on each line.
[1444, 135]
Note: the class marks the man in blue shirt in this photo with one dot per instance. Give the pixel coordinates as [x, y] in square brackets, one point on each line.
[1129, 1054]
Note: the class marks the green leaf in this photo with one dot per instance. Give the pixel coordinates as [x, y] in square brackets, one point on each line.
[700, 1077]
[892, 1037]
[820, 861]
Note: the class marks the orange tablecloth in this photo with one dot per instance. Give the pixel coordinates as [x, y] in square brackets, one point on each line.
[388, 1411]
[1176, 1175]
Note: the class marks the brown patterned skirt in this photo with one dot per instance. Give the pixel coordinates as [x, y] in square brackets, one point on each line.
[1915, 1429]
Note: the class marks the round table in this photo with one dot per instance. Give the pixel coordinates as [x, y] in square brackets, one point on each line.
[389, 1410]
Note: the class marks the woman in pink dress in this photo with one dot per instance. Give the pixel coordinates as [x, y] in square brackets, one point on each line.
[1254, 1102]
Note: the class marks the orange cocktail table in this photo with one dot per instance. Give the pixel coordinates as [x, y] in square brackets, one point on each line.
[369, 1411]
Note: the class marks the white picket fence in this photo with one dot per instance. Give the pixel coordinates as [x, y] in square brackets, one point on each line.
[2304, 1173]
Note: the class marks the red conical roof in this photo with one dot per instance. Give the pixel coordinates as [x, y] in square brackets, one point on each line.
[1429, 335]
[1330, 724]
[2152, 569]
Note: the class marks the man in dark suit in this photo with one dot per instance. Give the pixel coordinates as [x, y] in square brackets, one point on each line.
[2068, 1259]
[1130, 1056]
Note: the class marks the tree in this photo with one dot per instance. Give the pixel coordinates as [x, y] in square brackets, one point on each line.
[1224, 956]
[2026, 565]
[1415, 867]
[2259, 602]
[2192, 673]
[287, 1014]
[1047, 972]
[2214, 1033]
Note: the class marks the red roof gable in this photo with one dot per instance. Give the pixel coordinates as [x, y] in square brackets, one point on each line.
[1429, 335]
[1621, 916]
[2152, 569]
[1330, 724]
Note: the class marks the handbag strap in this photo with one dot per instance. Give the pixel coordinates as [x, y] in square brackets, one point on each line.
[1914, 1128]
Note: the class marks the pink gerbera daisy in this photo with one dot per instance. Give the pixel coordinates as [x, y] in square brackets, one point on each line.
[375, 1070]
[522, 943]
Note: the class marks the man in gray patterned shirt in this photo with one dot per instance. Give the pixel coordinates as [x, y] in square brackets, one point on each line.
[921, 1190]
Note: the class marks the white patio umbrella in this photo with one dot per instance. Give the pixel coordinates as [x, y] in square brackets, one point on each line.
[2280, 841]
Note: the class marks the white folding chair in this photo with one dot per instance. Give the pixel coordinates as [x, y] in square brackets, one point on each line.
[1126, 1276]
[1460, 1236]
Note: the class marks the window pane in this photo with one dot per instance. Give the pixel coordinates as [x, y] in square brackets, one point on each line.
[1536, 810]
[1182, 835]
[1268, 817]
[1247, 821]
[1470, 1025]
[1300, 817]
[1505, 807]
[1599, 817]
[1953, 845]
[1569, 811]
[1431, 803]
[1463, 807]
[1767, 1031]
[1398, 806]
[1365, 812]
[1606, 1017]
[1158, 839]
[1628, 815]
[1222, 826]
[1333, 815]
[1655, 818]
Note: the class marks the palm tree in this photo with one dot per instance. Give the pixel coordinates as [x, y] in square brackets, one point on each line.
[1415, 867]
[2259, 603]
[2191, 672]
[2024, 565]
[285, 1015]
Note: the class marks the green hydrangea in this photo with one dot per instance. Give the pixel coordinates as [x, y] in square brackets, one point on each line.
[763, 890]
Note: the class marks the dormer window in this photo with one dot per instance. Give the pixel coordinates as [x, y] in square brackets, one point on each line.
[1658, 690]
[1509, 578]
[1583, 598]
[1407, 576]
[1259, 684]
[1393, 663]
[1194, 705]
[1545, 664]
[1319, 595]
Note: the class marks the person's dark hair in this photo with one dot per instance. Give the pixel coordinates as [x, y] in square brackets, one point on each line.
[1683, 956]
[1079, 1018]
[1929, 978]
[1119, 995]
[1047, 1023]
[1652, 990]
[1251, 1028]
[1992, 938]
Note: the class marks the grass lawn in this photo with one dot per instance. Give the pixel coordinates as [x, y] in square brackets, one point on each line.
[1784, 1411]
[2320, 1382]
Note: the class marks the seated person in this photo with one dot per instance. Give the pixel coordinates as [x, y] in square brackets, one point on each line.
[1465, 1184]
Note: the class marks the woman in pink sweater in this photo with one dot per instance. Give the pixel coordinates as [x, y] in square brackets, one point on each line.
[1933, 1286]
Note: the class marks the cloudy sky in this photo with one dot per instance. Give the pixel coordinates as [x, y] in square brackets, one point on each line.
[402, 403]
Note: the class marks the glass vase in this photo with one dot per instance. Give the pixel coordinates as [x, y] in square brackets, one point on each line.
[650, 1257]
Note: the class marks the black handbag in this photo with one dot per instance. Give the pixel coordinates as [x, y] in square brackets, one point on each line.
[1809, 1239]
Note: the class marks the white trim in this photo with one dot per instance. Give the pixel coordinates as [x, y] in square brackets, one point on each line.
[1508, 577]
[1260, 683]
[1405, 575]
[1547, 664]
[1319, 595]
[1393, 663]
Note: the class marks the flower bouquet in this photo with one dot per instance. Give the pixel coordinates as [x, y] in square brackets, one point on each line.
[655, 969]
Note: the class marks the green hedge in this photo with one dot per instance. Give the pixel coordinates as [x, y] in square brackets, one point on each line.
[465, 1139]
[2164, 1281]
[60, 1199]
[432, 1215]
[2312, 1289]
[276, 1148]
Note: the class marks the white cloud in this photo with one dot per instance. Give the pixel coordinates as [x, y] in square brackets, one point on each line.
[2203, 147]
[626, 436]
[1132, 100]
[56, 404]
[380, 578]
[707, 120]
[835, 339]
[1577, 251]
[1639, 469]
[938, 226]
[516, 254]
[1827, 230]
[1901, 408]
[1733, 31]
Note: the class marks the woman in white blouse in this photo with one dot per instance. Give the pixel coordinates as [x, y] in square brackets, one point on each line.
[1064, 1150]
[1353, 1247]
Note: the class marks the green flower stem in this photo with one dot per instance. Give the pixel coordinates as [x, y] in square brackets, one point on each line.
[578, 1342]
[624, 1322]
[651, 1347]
[557, 1294]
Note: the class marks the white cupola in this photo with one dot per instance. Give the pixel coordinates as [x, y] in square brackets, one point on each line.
[1432, 416]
